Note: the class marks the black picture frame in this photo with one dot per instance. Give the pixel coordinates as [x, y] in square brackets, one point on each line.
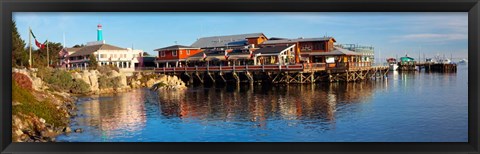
[470, 6]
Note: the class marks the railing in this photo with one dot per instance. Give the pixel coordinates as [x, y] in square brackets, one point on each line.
[348, 65]
[241, 68]
[238, 68]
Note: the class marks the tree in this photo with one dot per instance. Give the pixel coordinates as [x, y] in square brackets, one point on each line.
[78, 46]
[92, 63]
[145, 54]
[39, 56]
[19, 55]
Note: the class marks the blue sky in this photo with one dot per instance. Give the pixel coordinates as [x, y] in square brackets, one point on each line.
[391, 34]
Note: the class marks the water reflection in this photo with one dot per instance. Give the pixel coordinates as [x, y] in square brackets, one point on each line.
[258, 104]
[408, 106]
[115, 114]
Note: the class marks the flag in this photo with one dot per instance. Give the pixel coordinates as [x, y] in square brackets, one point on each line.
[251, 54]
[204, 56]
[63, 53]
[226, 54]
[38, 44]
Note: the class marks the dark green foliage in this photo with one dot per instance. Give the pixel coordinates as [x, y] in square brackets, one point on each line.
[147, 77]
[39, 56]
[61, 80]
[105, 82]
[79, 87]
[107, 69]
[30, 105]
[19, 55]
[92, 63]
[78, 46]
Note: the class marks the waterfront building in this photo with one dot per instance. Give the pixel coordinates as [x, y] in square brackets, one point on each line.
[279, 54]
[124, 58]
[175, 55]
[239, 41]
[367, 52]
[305, 48]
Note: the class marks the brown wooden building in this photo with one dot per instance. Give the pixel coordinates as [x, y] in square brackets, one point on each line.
[305, 46]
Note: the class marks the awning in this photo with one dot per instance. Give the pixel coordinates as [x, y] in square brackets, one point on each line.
[173, 60]
[234, 57]
[336, 52]
[216, 58]
[194, 58]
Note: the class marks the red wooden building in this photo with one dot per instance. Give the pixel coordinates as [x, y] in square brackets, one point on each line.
[175, 55]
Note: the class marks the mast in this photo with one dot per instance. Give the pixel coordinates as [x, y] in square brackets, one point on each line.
[30, 47]
[48, 57]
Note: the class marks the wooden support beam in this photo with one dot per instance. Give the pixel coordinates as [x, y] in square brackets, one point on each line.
[200, 78]
[211, 77]
[221, 77]
[236, 78]
[249, 76]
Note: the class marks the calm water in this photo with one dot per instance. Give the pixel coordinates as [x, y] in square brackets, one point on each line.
[408, 107]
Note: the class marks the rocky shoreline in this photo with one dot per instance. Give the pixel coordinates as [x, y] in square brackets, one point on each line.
[31, 127]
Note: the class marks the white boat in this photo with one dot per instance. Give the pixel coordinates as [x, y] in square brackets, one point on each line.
[463, 62]
[445, 61]
[392, 64]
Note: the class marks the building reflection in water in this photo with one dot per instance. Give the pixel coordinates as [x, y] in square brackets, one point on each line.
[116, 115]
[261, 104]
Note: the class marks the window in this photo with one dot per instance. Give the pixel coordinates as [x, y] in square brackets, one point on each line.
[114, 55]
[162, 53]
[124, 55]
[319, 46]
[188, 52]
[103, 56]
[174, 53]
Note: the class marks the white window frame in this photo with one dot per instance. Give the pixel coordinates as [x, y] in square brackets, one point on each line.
[162, 53]
[188, 51]
[174, 51]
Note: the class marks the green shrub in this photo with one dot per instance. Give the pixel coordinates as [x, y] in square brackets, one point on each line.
[62, 80]
[30, 105]
[79, 87]
[107, 69]
[105, 82]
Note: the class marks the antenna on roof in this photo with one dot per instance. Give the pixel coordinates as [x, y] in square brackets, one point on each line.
[175, 42]
[64, 45]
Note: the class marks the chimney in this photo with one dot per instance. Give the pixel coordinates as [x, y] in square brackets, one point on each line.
[99, 33]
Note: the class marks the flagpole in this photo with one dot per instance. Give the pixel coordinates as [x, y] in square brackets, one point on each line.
[30, 47]
[48, 58]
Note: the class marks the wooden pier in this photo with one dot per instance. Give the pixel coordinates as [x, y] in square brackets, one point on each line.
[428, 67]
[285, 74]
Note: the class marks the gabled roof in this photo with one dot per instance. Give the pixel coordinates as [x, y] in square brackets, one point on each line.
[73, 49]
[210, 56]
[284, 41]
[337, 52]
[86, 50]
[272, 50]
[221, 41]
[175, 47]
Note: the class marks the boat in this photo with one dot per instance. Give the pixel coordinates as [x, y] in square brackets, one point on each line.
[392, 64]
[445, 61]
[463, 62]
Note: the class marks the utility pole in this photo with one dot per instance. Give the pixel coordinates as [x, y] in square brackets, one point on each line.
[30, 47]
[48, 57]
